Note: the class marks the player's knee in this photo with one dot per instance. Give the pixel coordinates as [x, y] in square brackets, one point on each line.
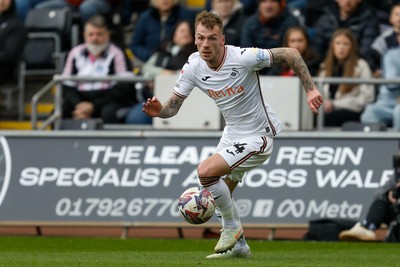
[206, 176]
[204, 170]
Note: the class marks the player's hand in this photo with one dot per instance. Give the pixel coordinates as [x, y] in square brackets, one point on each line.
[152, 107]
[314, 100]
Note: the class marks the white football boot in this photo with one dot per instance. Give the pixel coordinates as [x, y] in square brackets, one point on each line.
[228, 239]
[240, 250]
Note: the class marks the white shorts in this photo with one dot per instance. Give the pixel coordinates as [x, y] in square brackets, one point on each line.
[244, 154]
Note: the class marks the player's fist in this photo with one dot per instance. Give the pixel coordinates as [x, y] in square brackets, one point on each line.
[314, 100]
[152, 107]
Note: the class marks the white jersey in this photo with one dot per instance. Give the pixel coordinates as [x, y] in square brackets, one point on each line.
[235, 88]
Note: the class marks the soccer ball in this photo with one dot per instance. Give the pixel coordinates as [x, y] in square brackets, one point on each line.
[196, 205]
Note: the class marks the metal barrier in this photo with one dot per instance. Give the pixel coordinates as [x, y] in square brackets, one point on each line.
[55, 117]
[320, 81]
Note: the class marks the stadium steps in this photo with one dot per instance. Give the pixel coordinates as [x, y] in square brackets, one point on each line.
[44, 109]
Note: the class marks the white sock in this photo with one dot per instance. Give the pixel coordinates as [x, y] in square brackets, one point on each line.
[235, 212]
[223, 200]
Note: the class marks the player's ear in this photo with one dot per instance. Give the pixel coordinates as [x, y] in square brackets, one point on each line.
[223, 40]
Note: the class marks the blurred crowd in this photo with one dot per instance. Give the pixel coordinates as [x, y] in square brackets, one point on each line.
[337, 38]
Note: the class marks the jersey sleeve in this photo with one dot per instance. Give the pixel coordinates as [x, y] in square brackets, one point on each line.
[185, 82]
[256, 58]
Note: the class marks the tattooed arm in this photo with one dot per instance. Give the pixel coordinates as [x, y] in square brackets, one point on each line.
[293, 58]
[154, 108]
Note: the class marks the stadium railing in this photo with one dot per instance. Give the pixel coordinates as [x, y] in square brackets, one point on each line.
[55, 117]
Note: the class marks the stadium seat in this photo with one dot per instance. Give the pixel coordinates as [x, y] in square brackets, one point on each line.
[49, 34]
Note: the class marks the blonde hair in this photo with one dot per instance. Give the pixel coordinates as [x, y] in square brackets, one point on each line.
[208, 20]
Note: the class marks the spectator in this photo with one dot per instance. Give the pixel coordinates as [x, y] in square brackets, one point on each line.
[382, 210]
[232, 15]
[382, 10]
[313, 11]
[387, 106]
[345, 102]
[155, 25]
[351, 14]
[390, 38]
[13, 38]
[297, 37]
[130, 9]
[248, 6]
[267, 27]
[172, 54]
[168, 59]
[96, 57]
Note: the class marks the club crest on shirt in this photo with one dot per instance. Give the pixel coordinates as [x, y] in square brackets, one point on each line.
[234, 74]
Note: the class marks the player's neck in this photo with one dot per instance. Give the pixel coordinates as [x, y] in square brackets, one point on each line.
[216, 63]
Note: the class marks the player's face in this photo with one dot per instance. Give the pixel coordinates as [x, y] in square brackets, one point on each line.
[210, 44]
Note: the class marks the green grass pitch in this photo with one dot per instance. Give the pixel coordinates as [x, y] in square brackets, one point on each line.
[77, 251]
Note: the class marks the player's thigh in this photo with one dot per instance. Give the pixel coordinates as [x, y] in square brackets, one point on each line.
[213, 166]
